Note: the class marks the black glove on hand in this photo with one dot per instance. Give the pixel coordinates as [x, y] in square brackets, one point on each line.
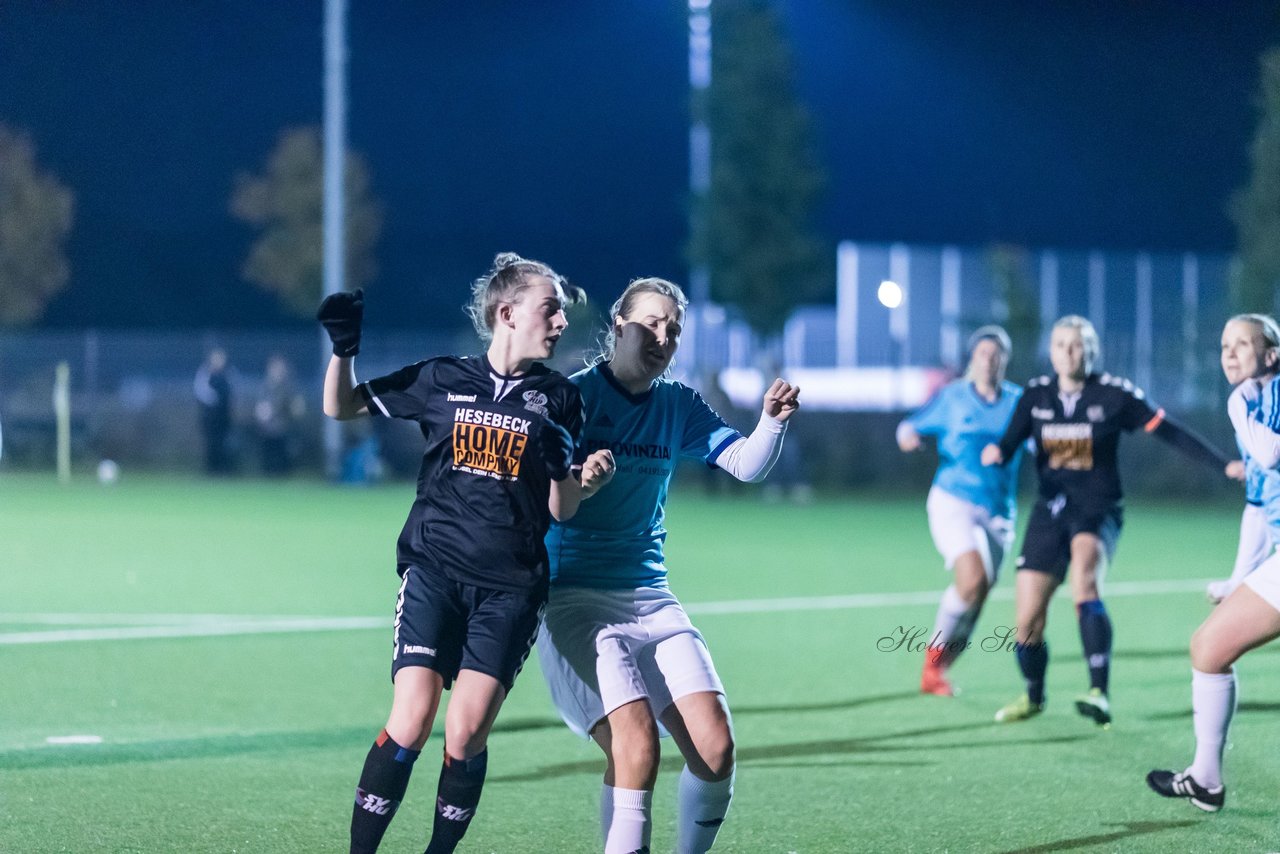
[341, 315]
[557, 449]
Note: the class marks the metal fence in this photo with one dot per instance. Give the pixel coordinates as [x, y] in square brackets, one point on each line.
[1159, 316]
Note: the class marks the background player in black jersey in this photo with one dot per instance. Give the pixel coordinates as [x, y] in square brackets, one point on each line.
[1076, 418]
[500, 430]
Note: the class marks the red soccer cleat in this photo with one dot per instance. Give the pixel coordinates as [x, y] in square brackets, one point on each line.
[933, 679]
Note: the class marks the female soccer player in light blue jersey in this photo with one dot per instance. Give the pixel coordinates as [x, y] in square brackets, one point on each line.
[1250, 615]
[971, 507]
[619, 653]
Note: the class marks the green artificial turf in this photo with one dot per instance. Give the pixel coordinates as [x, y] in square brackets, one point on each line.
[252, 742]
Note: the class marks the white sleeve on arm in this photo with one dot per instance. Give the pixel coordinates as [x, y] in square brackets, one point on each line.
[750, 458]
[1259, 440]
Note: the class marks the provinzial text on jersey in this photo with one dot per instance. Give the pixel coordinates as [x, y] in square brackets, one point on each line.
[629, 449]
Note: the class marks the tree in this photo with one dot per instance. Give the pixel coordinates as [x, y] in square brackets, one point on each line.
[1018, 306]
[36, 212]
[287, 203]
[751, 231]
[1256, 208]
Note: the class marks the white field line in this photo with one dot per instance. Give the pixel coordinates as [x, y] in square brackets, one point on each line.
[215, 625]
[881, 600]
[126, 619]
[200, 629]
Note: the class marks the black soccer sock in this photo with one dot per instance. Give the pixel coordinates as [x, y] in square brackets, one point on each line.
[382, 785]
[1095, 636]
[1033, 661]
[456, 799]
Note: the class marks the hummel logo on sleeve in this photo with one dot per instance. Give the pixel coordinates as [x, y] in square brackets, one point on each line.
[414, 649]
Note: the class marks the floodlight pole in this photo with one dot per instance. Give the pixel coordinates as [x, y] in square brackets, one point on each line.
[699, 160]
[335, 121]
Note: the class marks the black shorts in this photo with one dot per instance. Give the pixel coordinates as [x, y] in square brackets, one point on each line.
[1046, 545]
[448, 626]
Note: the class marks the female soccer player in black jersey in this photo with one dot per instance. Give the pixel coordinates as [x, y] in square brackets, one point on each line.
[1076, 418]
[500, 430]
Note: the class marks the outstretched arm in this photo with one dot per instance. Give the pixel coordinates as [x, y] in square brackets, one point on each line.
[1190, 444]
[1019, 429]
[750, 458]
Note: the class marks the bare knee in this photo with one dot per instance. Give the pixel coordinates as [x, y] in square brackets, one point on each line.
[463, 738]
[1031, 627]
[715, 752]
[719, 755]
[1207, 654]
[633, 753]
[971, 578]
[409, 723]
[973, 590]
[636, 754]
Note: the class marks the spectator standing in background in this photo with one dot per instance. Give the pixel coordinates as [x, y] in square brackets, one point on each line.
[276, 411]
[214, 393]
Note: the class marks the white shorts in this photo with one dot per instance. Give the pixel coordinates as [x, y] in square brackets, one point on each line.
[1255, 541]
[959, 526]
[1265, 580]
[601, 649]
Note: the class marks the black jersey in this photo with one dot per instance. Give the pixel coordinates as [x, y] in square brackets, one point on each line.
[481, 511]
[1077, 435]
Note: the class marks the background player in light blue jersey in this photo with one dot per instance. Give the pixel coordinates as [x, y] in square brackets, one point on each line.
[1250, 615]
[619, 653]
[971, 507]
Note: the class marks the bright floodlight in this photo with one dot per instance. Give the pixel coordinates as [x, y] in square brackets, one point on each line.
[890, 294]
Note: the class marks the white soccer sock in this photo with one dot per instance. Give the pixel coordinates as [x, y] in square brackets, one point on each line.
[1213, 702]
[703, 807]
[624, 817]
[606, 811]
[953, 623]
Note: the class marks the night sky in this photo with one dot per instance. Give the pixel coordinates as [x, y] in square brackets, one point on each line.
[559, 130]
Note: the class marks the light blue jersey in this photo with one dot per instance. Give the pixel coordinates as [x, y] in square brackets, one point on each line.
[1264, 484]
[615, 539]
[964, 423]
[1253, 477]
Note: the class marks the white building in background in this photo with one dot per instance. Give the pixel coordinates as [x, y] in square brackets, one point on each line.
[1159, 315]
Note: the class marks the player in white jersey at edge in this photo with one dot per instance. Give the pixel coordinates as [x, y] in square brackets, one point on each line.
[1250, 615]
[619, 652]
[971, 507]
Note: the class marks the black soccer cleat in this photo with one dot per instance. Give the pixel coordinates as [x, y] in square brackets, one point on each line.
[1173, 785]
[1094, 705]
